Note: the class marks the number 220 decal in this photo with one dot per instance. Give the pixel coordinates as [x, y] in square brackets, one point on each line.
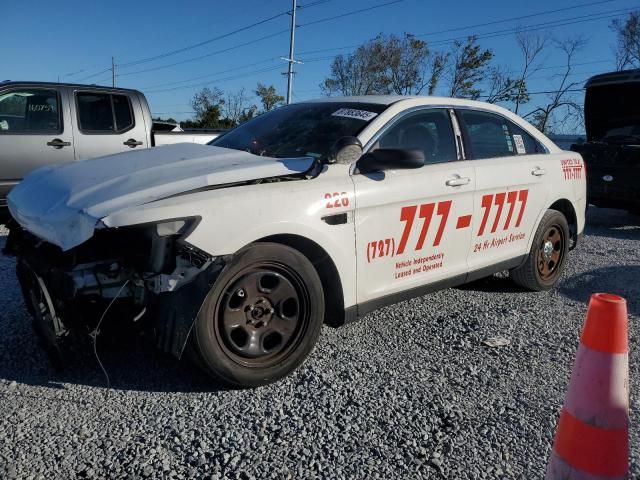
[336, 199]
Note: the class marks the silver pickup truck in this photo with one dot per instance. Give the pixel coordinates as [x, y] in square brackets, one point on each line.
[49, 123]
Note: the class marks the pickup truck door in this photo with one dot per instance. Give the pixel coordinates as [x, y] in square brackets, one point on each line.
[35, 130]
[510, 188]
[107, 122]
[412, 226]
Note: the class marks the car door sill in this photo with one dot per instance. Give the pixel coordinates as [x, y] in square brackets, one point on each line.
[358, 311]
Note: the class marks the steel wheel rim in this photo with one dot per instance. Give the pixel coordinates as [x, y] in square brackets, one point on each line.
[551, 252]
[264, 324]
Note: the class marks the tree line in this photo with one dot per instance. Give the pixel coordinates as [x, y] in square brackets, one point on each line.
[214, 108]
[406, 65]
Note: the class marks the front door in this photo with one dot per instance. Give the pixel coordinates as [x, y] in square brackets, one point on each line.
[35, 130]
[412, 226]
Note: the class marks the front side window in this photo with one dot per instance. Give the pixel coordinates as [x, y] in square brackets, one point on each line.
[300, 130]
[429, 131]
[29, 111]
[490, 136]
[104, 112]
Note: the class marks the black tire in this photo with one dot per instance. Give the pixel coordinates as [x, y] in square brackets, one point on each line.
[262, 317]
[543, 268]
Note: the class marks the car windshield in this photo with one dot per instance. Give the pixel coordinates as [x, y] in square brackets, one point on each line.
[305, 129]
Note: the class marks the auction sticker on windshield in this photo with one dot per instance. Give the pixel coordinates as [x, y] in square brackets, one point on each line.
[354, 113]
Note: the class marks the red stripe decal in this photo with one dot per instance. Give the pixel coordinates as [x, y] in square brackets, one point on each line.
[594, 450]
[464, 221]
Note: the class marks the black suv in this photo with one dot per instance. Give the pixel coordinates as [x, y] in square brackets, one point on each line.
[612, 149]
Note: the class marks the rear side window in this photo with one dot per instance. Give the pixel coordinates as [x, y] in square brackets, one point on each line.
[490, 136]
[104, 112]
[33, 111]
[427, 130]
[487, 134]
[524, 143]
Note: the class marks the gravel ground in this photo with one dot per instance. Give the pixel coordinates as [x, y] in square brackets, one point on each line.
[408, 392]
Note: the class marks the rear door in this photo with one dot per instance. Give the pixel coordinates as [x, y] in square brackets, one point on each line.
[510, 187]
[412, 226]
[35, 130]
[107, 122]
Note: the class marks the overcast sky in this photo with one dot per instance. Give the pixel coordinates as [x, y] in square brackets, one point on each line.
[74, 40]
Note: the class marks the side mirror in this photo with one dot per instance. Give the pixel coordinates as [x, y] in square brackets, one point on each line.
[390, 159]
[345, 151]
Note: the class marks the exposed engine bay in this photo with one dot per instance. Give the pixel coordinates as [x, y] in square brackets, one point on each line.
[142, 274]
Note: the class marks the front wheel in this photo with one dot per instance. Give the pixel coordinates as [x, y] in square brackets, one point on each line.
[262, 317]
[546, 260]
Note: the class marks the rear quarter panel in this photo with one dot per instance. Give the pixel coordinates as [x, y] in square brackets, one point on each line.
[565, 179]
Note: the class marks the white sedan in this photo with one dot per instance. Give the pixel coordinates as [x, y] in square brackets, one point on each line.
[319, 212]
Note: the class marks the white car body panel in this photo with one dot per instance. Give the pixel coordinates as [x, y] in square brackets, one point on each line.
[233, 217]
[386, 264]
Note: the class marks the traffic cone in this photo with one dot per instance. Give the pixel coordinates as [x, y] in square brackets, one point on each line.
[592, 439]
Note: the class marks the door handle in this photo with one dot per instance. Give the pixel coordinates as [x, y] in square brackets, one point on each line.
[132, 142]
[538, 172]
[457, 182]
[57, 143]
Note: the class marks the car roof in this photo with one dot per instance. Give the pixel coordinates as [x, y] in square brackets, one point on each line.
[25, 83]
[613, 78]
[413, 100]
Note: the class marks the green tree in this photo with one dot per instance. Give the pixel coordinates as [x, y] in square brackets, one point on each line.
[468, 68]
[384, 65]
[269, 97]
[503, 88]
[207, 105]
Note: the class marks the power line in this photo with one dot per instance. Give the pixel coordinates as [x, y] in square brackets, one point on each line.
[209, 75]
[353, 12]
[271, 35]
[200, 44]
[205, 42]
[215, 81]
[94, 75]
[200, 57]
[331, 49]
[522, 17]
[219, 37]
[557, 23]
[541, 26]
[479, 25]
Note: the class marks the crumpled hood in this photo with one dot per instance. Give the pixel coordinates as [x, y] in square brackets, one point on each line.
[62, 204]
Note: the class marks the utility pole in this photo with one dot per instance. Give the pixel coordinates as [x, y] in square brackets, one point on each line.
[291, 48]
[113, 73]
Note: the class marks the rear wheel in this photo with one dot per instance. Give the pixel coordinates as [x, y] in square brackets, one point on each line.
[544, 265]
[262, 317]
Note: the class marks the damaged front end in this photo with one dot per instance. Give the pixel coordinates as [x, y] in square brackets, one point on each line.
[146, 276]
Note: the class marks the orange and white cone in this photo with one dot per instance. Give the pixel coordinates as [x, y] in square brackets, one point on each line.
[592, 439]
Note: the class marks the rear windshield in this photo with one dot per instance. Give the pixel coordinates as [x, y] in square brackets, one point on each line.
[300, 130]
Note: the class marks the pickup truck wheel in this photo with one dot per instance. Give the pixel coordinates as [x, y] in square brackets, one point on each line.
[262, 317]
[546, 260]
